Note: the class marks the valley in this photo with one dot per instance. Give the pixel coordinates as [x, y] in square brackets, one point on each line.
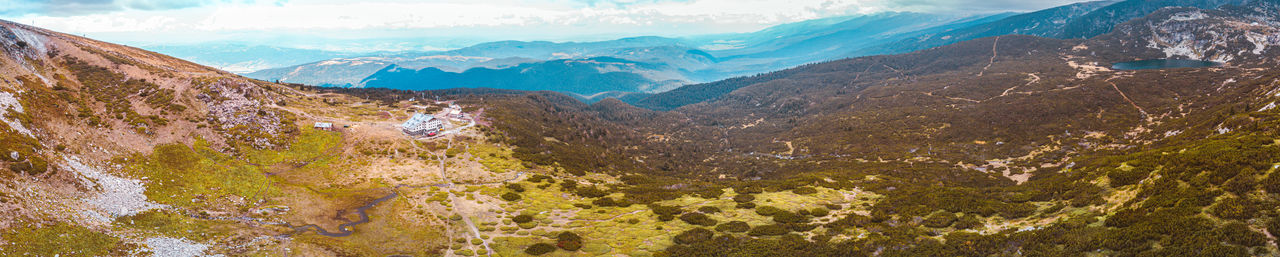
[991, 145]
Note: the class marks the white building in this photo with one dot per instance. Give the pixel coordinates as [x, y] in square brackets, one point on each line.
[456, 114]
[422, 124]
[324, 126]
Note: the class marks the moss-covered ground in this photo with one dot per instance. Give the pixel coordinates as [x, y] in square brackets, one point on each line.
[198, 177]
[61, 239]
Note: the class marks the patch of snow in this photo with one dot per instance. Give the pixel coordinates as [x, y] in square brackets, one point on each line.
[1260, 42]
[343, 62]
[1172, 133]
[175, 247]
[1268, 107]
[1224, 130]
[602, 69]
[1181, 49]
[455, 58]
[563, 55]
[119, 196]
[33, 39]
[1188, 16]
[9, 102]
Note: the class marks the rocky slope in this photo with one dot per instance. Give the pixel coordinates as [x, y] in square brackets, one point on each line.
[1231, 34]
[74, 106]
[115, 151]
[1187, 33]
[1044, 23]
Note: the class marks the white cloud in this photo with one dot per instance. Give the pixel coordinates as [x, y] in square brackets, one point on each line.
[417, 15]
[150, 20]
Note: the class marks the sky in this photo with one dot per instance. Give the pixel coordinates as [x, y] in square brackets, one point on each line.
[429, 25]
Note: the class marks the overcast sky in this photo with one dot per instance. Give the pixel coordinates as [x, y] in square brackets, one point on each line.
[446, 23]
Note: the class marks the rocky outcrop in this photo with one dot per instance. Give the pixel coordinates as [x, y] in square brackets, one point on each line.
[1231, 34]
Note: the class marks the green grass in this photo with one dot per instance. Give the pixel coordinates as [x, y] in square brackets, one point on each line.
[391, 230]
[310, 146]
[173, 224]
[61, 240]
[790, 201]
[495, 159]
[608, 230]
[511, 246]
[197, 176]
[12, 141]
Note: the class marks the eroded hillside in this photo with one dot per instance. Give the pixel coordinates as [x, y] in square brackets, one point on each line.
[1010, 145]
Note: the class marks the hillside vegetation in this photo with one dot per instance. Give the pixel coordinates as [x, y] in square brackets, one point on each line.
[998, 146]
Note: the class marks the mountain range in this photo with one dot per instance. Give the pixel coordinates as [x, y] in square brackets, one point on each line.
[243, 58]
[669, 62]
[1005, 145]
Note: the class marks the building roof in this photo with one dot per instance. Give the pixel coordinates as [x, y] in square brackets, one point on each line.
[324, 125]
[418, 118]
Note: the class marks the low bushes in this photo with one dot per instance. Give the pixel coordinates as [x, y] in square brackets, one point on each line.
[511, 196]
[693, 236]
[939, 219]
[733, 226]
[699, 219]
[768, 230]
[540, 249]
[522, 218]
[569, 241]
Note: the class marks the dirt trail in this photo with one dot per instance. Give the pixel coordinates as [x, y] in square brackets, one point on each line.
[993, 56]
[1034, 79]
[859, 75]
[1126, 98]
[475, 232]
[952, 98]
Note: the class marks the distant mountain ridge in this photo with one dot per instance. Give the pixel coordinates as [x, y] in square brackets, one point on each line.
[578, 76]
[1064, 21]
[241, 58]
[703, 59]
[684, 61]
[1044, 23]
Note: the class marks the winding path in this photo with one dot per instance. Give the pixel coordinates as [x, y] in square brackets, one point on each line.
[993, 56]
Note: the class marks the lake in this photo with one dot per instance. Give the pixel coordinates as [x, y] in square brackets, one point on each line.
[1163, 64]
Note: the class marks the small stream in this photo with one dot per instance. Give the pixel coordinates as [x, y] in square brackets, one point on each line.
[343, 230]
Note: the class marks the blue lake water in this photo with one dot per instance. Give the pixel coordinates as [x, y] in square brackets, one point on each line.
[1163, 64]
